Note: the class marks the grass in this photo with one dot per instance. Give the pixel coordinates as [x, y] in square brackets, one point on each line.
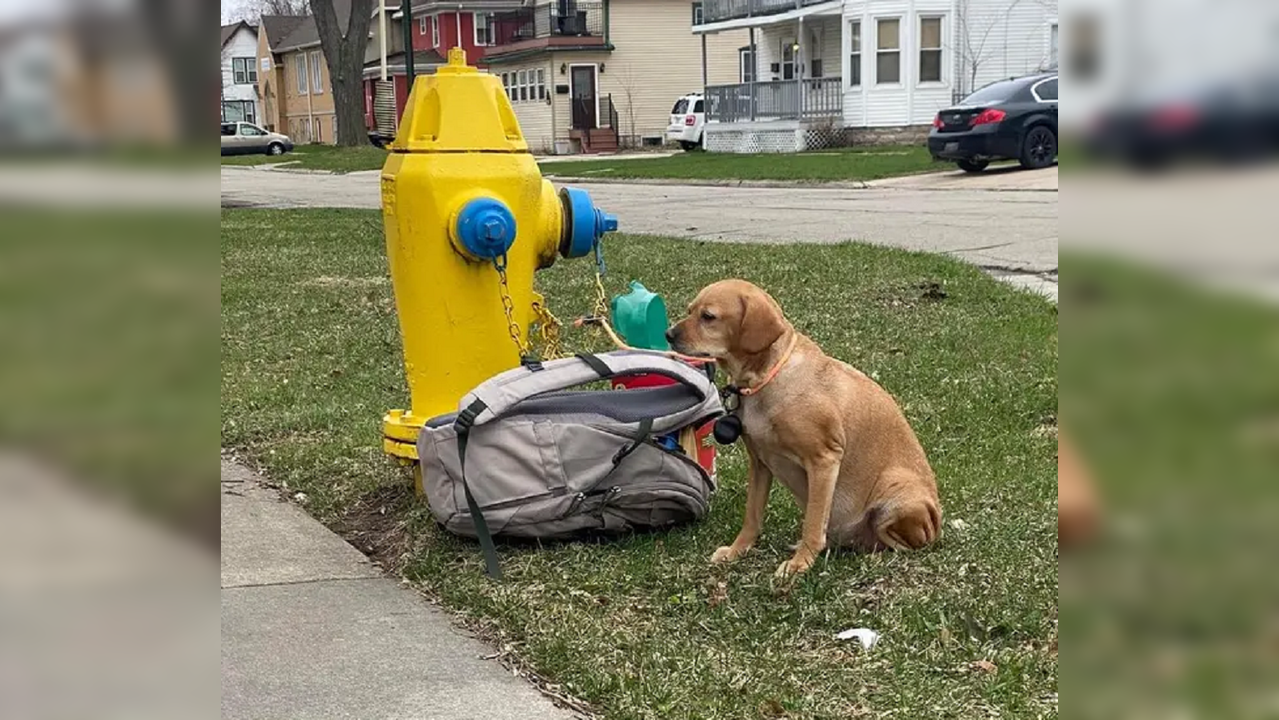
[320, 157]
[642, 626]
[833, 165]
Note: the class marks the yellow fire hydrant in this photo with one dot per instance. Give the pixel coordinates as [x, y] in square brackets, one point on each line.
[468, 219]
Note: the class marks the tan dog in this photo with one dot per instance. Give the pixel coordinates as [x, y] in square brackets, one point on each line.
[835, 438]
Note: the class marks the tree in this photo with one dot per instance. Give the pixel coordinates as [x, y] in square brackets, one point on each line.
[344, 54]
[253, 10]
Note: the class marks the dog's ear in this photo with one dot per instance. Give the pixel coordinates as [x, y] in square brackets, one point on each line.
[762, 323]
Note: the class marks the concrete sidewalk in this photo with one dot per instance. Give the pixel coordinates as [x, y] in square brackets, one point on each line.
[311, 629]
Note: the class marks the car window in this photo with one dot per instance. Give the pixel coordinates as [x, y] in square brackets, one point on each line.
[251, 130]
[680, 106]
[993, 93]
[228, 128]
[1047, 90]
[699, 107]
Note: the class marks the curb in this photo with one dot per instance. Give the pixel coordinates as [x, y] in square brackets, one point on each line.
[702, 182]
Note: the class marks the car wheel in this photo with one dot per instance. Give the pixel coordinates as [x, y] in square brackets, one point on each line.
[275, 149]
[687, 146]
[972, 166]
[1038, 148]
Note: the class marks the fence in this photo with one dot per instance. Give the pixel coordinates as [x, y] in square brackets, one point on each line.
[717, 10]
[776, 100]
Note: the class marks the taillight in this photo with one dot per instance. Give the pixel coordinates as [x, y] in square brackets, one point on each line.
[989, 116]
[1176, 117]
[691, 120]
[937, 123]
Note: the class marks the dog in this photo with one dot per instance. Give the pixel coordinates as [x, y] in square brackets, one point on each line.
[1077, 507]
[831, 435]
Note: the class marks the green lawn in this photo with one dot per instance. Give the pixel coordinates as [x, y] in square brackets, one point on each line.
[643, 626]
[831, 165]
[320, 157]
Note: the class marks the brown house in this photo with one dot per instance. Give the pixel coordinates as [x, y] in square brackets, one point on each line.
[293, 78]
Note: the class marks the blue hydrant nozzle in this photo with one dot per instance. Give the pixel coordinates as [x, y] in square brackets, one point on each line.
[485, 228]
[584, 224]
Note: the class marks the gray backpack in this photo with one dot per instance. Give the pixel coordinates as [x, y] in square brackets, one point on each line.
[528, 456]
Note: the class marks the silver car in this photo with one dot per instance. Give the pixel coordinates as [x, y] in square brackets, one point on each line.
[244, 138]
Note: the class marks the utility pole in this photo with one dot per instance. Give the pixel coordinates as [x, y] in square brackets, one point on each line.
[406, 10]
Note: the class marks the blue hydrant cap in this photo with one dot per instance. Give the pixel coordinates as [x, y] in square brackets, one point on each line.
[486, 228]
[584, 224]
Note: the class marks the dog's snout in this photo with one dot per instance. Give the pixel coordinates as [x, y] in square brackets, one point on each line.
[672, 333]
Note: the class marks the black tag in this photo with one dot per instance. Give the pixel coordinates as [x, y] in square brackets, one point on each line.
[728, 429]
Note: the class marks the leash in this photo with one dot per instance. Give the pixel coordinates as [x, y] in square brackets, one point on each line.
[617, 340]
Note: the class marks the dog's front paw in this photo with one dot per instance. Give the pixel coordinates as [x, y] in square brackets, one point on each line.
[726, 554]
[795, 566]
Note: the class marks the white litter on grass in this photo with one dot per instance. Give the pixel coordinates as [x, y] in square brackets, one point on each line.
[959, 525]
[867, 636]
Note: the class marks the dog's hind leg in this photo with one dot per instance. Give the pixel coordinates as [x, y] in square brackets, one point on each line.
[908, 520]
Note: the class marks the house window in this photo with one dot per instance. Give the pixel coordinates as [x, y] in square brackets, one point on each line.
[1052, 45]
[299, 69]
[855, 54]
[435, 31]
[541, 83]
[245, 70]
[788, 59]
[238, 110]
[422, 22]
[1085, 47]
[506, 84]
[930, 49]
[523, 85]
[317, 78]
[318, 135]
[483, 29]
[746, 65]
[888, 51]
[699, 16]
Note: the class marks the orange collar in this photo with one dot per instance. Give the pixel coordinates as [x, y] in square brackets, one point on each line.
[772, 372]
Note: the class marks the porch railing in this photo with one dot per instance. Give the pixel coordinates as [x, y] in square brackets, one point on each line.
[717, 10]
[808, 99]
[562, 18]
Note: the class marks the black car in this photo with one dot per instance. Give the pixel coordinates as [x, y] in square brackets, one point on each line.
[1007, 120]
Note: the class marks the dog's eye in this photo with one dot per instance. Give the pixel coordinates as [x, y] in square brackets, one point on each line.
[708, 316]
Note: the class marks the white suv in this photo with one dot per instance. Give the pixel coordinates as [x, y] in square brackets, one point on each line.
[688, 121]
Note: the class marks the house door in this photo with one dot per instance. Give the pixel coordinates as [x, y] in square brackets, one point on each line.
[582, 89]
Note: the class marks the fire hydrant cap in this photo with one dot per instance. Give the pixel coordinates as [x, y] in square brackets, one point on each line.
[486, 228]
[584, 224]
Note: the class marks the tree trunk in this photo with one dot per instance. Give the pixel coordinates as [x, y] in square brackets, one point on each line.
[344, 55]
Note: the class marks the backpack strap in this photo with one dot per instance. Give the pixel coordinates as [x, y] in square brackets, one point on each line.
[465, 420]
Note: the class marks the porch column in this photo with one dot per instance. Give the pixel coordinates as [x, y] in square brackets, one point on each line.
[754, 72]
[800, 58]
[704, 83]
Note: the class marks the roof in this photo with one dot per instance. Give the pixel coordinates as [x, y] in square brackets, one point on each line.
[421, 58]
[278, 28]
[303, 32]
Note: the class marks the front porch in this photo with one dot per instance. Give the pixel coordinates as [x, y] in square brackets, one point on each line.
[791, 94]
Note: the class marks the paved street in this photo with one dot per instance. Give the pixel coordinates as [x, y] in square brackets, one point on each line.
[1003, 221]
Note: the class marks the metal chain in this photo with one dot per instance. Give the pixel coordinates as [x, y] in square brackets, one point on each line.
[508, 306]
[548, 328]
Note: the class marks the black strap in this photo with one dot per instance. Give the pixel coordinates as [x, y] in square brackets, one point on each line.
[462, 425]
[645, 429]
[532, 363]
[599, 366]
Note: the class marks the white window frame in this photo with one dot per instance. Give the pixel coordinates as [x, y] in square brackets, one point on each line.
[856, 41]
[490, 40]
[301, 62]
[435, 31]
[782, 62]
[247, 74]
[1054, 42]
[317, 72]
[522, 83]
[1034, 90]
[699, 14]
[746, 59]
[940, 50]
[899, 50]
[422, 24]
[541, 84]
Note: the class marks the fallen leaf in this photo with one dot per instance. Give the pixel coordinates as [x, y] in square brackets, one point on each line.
[985, 666]
[719, 593]
[770, 708]
[866, 636]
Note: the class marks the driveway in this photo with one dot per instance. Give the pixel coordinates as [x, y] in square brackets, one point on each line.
[979, 219]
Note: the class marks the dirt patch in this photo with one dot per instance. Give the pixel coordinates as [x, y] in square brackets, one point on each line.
[375, 525]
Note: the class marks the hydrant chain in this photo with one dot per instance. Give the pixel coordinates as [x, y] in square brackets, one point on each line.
[508, 306]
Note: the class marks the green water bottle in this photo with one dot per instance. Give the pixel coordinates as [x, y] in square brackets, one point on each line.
[640, 318]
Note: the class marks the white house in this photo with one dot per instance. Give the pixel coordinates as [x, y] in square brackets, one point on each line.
[240, 73]
[815, 70]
